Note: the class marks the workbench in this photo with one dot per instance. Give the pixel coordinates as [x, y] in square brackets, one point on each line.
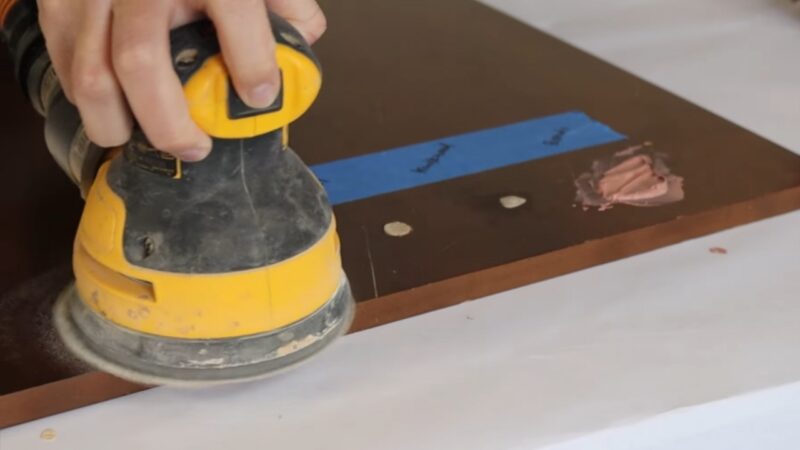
[680, 347]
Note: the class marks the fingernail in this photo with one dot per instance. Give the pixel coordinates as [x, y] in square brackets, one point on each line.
[262, 95]
[193, 154]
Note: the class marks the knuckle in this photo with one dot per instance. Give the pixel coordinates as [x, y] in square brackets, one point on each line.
[318, 25]
[105, 139]
[314, 26]
[134, 58]
[250, 5]
[167, 140]
[221, 9]
[51, 11]
[92, 81]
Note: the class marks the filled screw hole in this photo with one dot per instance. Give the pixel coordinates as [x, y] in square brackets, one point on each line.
[512, 201]
[397, 229]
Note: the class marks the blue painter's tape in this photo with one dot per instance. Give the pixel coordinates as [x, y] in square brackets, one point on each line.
[360, 177]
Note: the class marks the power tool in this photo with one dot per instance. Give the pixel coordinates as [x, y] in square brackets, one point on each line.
[222, 270]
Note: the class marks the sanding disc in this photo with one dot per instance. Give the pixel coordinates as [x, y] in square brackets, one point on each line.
[158, 360]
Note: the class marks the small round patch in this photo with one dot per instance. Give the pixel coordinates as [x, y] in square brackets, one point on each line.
[48, 434]
[397, 229]
[512, 201]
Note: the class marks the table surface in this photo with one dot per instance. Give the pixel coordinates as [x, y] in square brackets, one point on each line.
[677, 347]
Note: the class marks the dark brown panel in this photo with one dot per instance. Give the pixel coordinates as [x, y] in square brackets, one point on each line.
[400, 72]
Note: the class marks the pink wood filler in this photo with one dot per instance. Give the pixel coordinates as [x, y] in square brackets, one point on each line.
[630, 177]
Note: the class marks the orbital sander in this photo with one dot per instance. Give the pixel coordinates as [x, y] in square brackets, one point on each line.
[197, 273]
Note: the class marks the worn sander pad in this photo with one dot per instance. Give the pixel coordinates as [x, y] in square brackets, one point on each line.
[156, 360]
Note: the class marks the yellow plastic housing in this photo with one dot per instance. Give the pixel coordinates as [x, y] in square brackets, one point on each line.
[207, 95]
[194, 306]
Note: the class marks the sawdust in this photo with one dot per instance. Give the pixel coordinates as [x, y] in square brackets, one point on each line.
[299, 344]
[31, 352]
[48, 434]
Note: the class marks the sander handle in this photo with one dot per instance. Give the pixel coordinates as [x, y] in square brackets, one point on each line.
[214, 104]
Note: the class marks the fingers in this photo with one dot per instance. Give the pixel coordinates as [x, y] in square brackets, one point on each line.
[248, 48]
[142, 62]
[305, 15]
[98, 76]
[56, 21]
[94, 87]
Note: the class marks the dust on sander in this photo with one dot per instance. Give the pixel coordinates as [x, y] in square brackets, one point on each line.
[635, 176]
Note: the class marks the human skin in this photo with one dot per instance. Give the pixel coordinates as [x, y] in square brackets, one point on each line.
[112, 58]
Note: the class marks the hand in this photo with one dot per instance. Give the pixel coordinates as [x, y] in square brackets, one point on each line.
[113, 60]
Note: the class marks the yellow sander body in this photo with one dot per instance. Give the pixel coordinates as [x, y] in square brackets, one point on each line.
[222, 270]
